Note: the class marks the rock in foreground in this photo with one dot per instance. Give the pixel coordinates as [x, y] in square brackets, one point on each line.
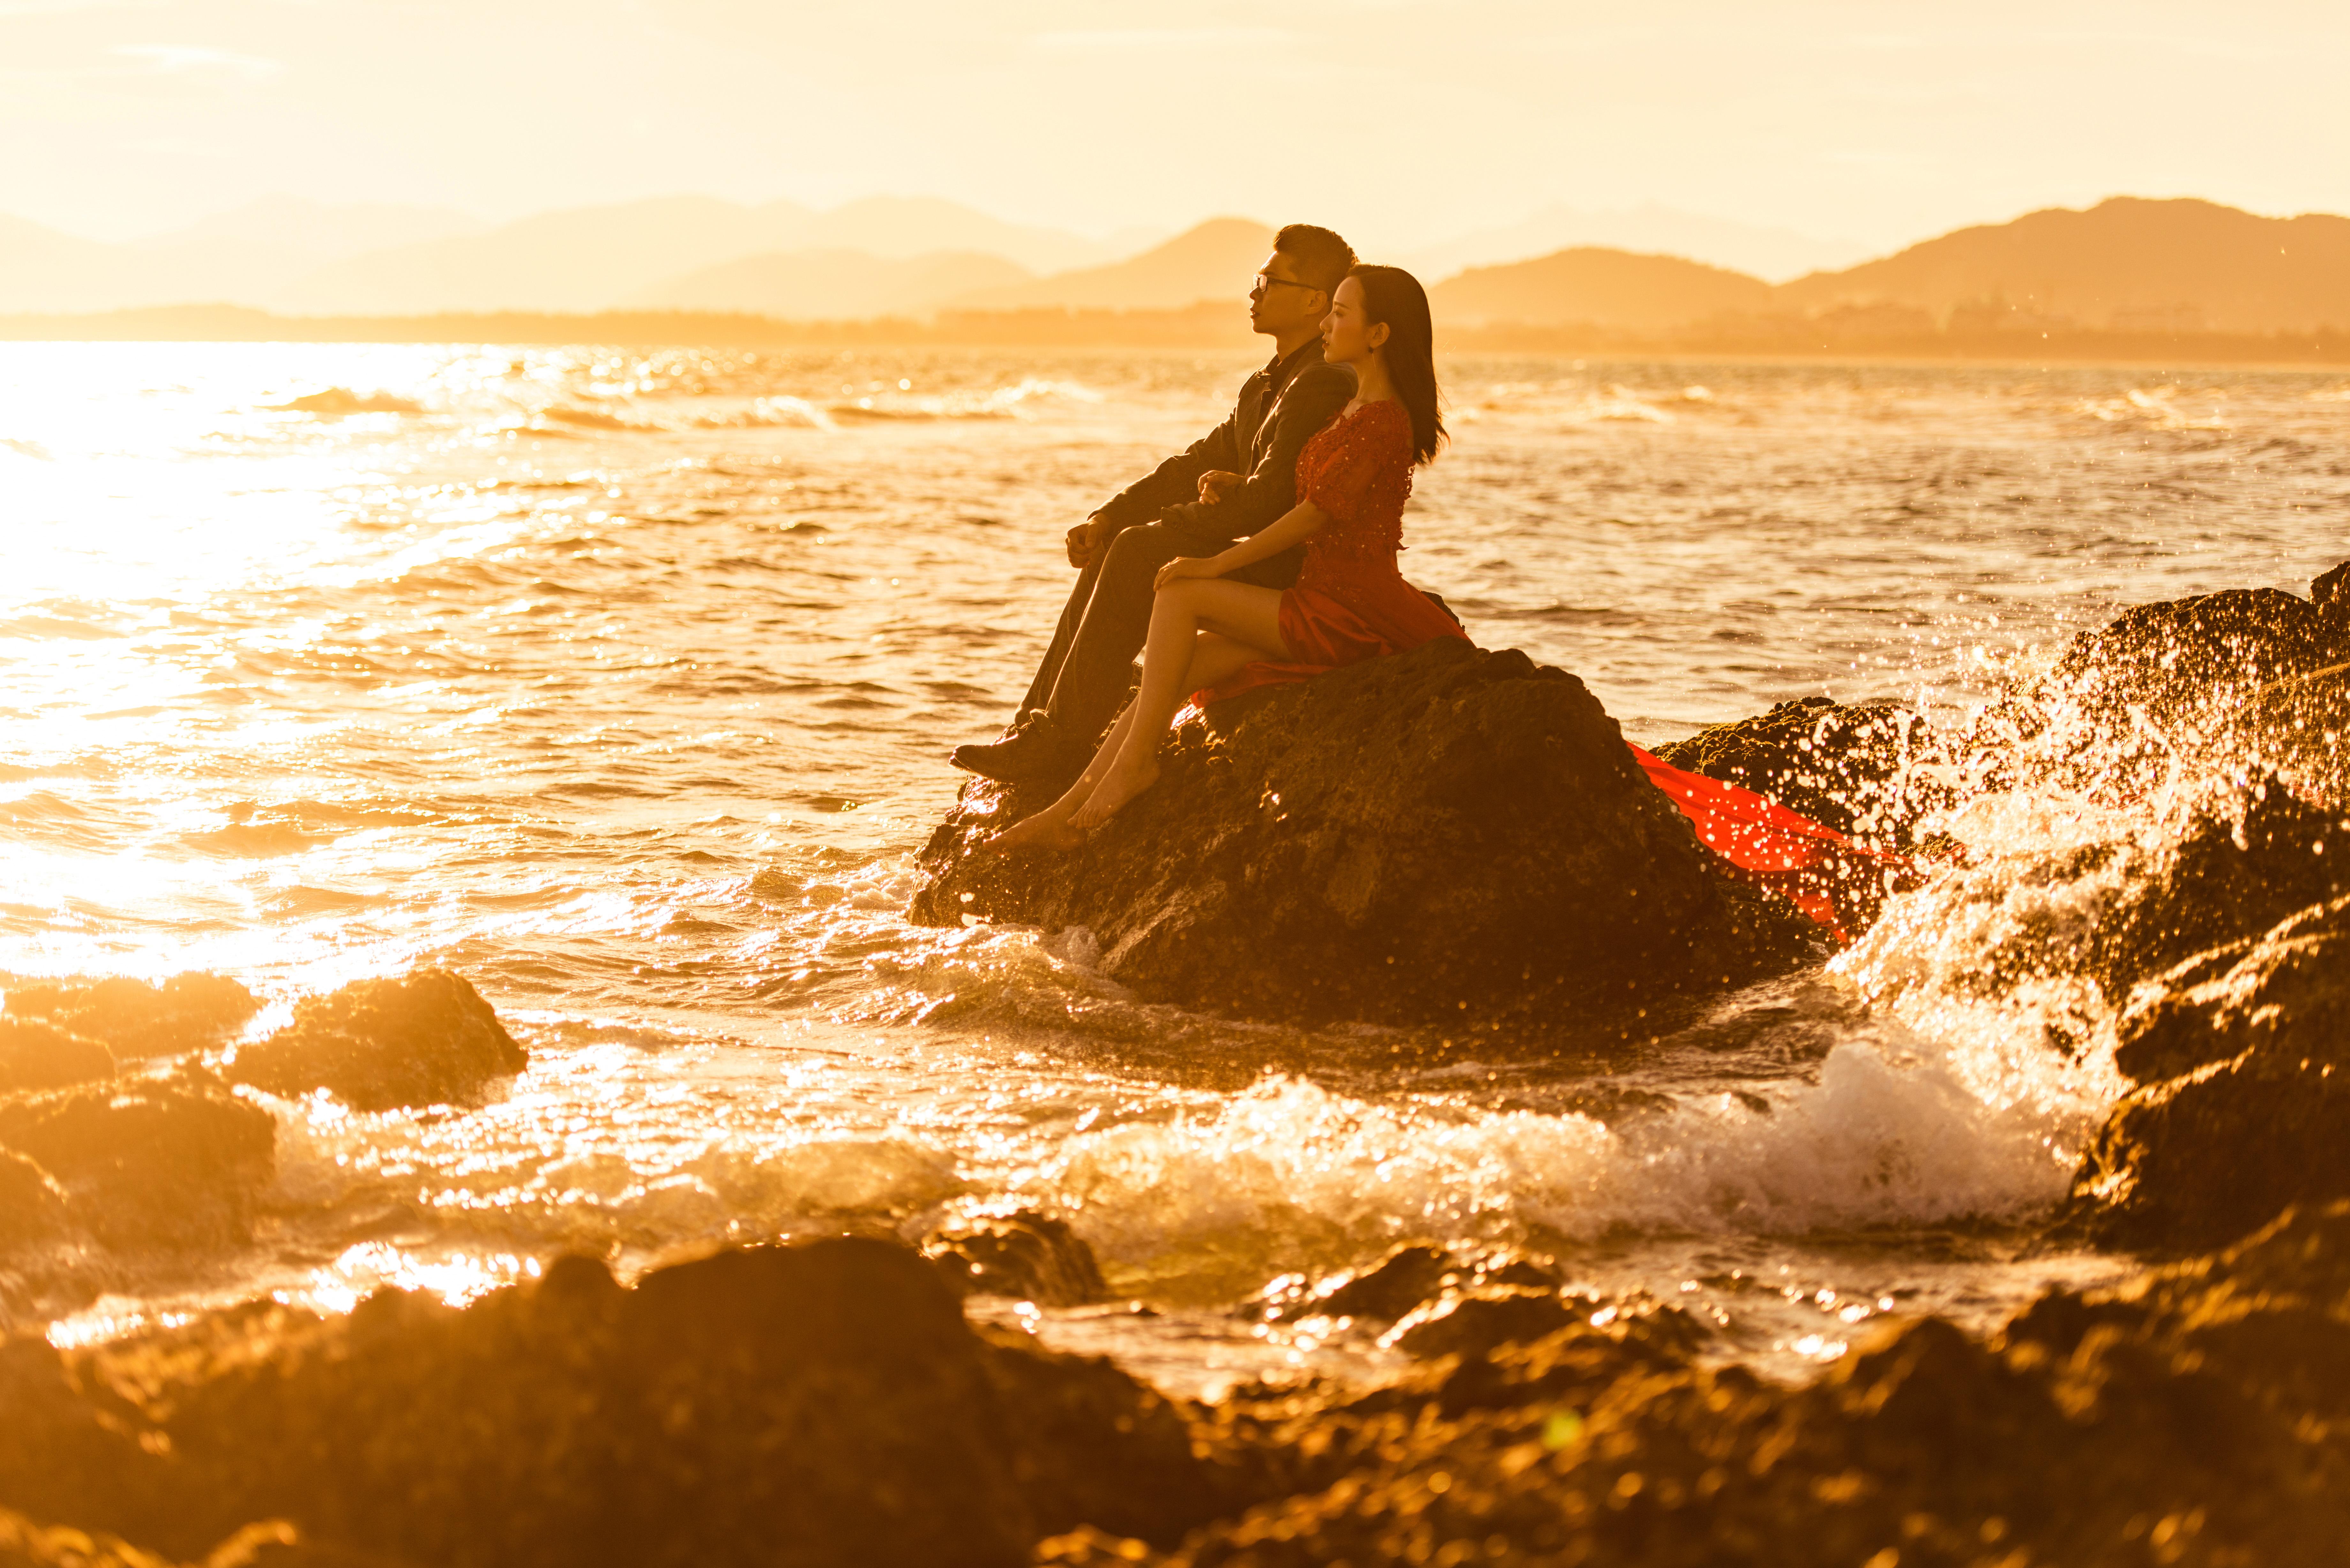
[169, 1162]
[802, 1408]
[420, 1039]
[135, 1019]
[1398, 841]
[2243, 1107]
[35, 1055]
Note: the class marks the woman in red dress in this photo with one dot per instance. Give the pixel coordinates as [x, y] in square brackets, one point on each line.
[1216, 638]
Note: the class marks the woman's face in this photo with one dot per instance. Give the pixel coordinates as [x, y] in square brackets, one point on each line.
[1349, 335]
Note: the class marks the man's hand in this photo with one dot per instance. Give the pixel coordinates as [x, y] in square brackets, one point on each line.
[1087, 540]
[1184, 567]
[1213, 484]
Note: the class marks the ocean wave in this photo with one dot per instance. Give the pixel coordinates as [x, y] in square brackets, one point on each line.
[2155, 409]
[779, 411]
[593, 419]
[336, 402]
[1887, 1135]
[998, 403]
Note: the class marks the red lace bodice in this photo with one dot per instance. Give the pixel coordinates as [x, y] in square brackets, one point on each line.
[1357, 469]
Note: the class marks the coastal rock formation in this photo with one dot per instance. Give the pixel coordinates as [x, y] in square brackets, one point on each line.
[2246, 858]
[2163, 683]
[826, 1403]
[135, 1020]
[34, 1056]
[1858, 768]
[32, 1209]
[2242, 1058]
[1406, 839]
[813, 1404]
[1025, 1256]
[420, 1039]
[166, 1162]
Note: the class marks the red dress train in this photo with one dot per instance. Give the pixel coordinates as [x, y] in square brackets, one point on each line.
[1352, 603]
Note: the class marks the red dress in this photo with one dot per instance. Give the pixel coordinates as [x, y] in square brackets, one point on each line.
[1351, 603]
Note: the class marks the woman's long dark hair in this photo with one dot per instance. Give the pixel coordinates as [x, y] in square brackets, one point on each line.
[1394, 296]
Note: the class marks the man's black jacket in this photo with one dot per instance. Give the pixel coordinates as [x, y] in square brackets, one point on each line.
[1280, 407]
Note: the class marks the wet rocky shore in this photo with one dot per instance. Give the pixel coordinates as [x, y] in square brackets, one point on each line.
[831, 1400]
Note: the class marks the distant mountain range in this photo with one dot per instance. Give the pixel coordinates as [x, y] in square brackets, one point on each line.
[2128, 264]
[1766, 253]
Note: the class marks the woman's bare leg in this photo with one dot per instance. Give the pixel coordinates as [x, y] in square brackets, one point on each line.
[1049, 829]
[1244, 624]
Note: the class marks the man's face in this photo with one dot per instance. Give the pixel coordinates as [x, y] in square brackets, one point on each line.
[1280, 302]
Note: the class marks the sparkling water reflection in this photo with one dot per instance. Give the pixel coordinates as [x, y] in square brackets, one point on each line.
[621, 682]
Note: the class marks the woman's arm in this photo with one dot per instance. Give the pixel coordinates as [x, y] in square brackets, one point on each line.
[1296, 525]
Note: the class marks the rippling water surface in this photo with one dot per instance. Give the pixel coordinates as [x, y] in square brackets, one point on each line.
[622, 682]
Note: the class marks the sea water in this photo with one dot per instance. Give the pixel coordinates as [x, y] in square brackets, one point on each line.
[622, 682]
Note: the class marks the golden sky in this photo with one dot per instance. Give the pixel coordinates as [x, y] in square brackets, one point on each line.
[1399, 121]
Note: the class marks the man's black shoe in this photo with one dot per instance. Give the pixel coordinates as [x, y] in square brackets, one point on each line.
[1031, 749]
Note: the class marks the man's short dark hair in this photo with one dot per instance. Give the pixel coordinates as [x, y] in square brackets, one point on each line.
[1320, 256]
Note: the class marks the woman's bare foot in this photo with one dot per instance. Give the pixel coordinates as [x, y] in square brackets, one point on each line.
[1048, 829]
[1121, 783]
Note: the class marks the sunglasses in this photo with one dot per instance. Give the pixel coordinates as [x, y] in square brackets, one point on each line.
[1264, 283]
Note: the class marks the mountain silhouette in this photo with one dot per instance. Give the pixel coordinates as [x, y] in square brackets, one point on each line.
[2127, 264]
[1600, 287]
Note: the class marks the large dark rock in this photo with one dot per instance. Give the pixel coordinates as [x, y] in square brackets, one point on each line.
[2161, 686]
[420, 1039]
[1860, 768]
[1399, 840]
[2247, 857]
[2194, 1417]
[161, 1162]
[1026, 1256]
[2242, 1058]
[32, 1209]
[814, 1405]
[34, 1056]
[2330, 590]
[2184, 658]
[137, 1019]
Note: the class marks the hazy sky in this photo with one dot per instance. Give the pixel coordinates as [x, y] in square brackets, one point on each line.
[1400, 122]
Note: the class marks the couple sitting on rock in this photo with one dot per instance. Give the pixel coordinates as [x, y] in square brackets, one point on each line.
[1267, 553]
[1264, 552]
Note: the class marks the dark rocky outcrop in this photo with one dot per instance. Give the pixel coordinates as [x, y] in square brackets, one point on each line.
[1853, 767]
[814, 1405]
[137, 1021]
[1408, 1275]
[32, 1208]
[2179, 681]
[2194, 1417]
[2247, 857]
[2330, 590]
[825, 1403]
[2181, 659]
[35, 1055]
[2242, 1058]
[1398, 840]
[420, 1039]
[1025, 1256]
[163, 1162]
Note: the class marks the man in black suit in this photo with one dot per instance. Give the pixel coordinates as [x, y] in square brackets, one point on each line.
[1238, 479]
